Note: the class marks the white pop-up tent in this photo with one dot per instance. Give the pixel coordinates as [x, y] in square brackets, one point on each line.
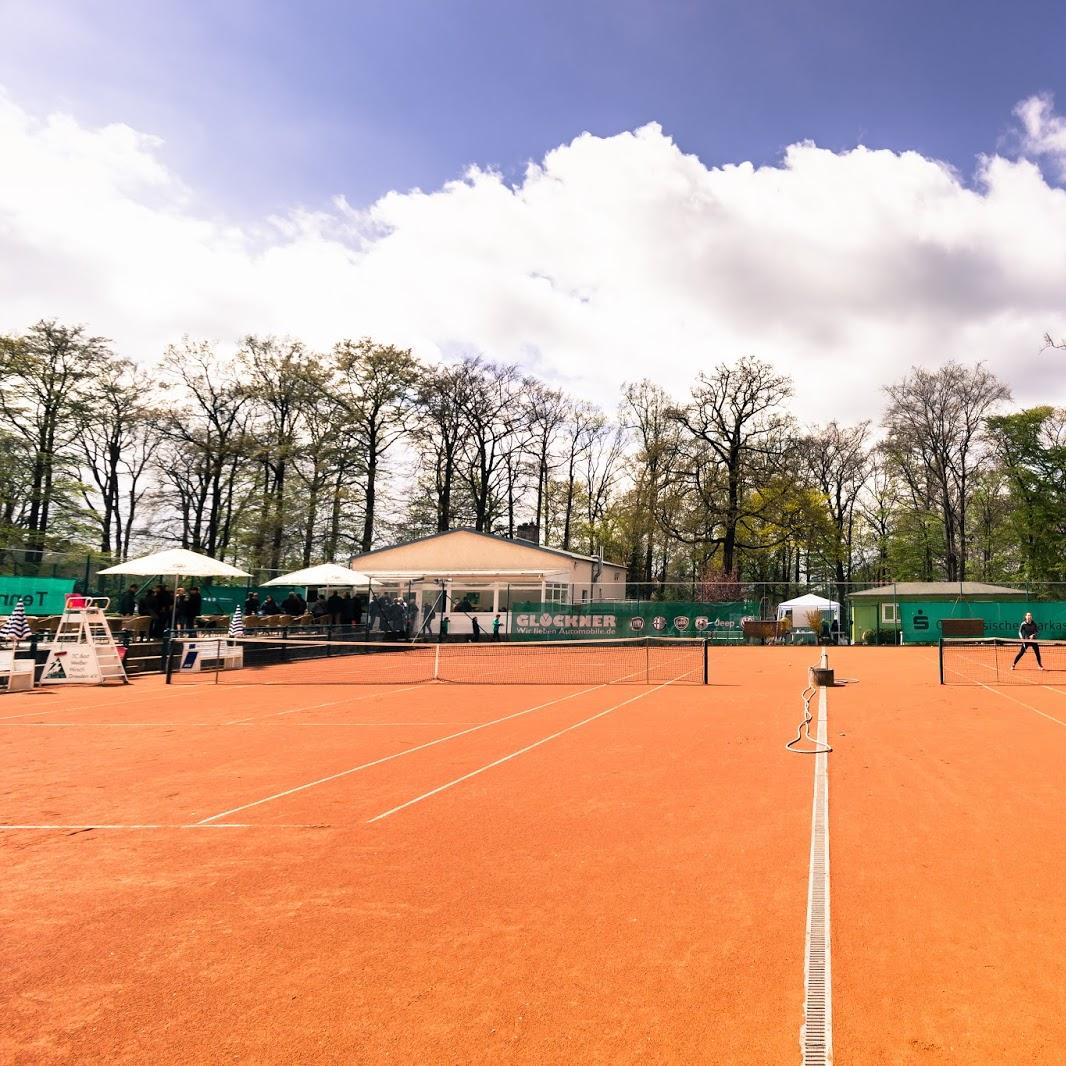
[798, 609]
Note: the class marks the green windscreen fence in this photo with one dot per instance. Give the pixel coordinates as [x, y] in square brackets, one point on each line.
[38, 595]
[922, 621]
[537, 620]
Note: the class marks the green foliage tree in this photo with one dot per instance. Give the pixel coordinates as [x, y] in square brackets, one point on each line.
[1032, 447]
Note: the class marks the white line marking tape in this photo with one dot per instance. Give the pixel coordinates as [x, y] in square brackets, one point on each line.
[816, 1036]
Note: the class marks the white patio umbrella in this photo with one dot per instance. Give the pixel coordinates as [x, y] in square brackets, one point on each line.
[331, 574]
[176, 563]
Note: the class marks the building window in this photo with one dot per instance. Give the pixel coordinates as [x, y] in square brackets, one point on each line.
[556, 593]
[890, 613]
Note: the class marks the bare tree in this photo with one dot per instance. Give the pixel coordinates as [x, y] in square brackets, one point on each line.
[602, 472]
[490, 410]
[584, 421]
[736, 434]
[645, 412]
[378, 386]
[441, 399]
[546, 413]
[837, 461]
[936, 434]
[118, 444]
[206, 454]
[42, 403]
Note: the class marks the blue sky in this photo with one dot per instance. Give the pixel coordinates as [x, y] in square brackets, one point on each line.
[268, 104]
[220, 169]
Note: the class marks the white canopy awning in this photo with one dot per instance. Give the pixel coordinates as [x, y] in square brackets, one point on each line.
[331, 575]
[176, 562]
[801, 606]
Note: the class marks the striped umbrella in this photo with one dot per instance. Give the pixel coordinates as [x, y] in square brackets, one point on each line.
[16, 628]
[236, 624]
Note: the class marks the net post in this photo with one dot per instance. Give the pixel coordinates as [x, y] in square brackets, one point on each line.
[940, 657]
[706, 646]
[169, 656]
[436, 661]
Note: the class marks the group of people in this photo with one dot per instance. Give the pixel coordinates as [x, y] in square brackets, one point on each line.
[335, 609]
[395, 618]
[161, 605]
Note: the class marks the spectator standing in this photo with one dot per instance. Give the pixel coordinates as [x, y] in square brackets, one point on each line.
[269, 607]
[335, 606]
[149, 606]
[251, 604]
[194, 604]
[347, 612]
[293, 604]
[181, 616]
[475, 628]
[496, 628]
[127, 603]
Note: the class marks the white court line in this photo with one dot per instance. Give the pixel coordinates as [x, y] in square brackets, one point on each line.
[175, 825]
[146, 825]
[114, 725]
[385, 725]
[215, 725]
[316, 706]
[816, 1035]
[1022, 703]
[521, 751]
[399, 754]
[91, 706]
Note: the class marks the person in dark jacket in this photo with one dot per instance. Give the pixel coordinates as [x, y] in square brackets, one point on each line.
[347, 611]
[269, 607]
[127, 603]
[293, 604]
[475, 627]
[251, 604]
[194, 604]
[334, 605]
[1027, 634]
[181, 617]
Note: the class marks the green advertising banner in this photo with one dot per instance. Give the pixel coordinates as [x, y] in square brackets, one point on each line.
[39, 595]
[921, 621]
[587, 621]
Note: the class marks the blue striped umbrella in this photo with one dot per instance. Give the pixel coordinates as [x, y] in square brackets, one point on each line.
[16, 627]
[236, 624]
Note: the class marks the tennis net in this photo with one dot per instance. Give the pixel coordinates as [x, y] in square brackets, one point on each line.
[995, 661]
[295, 661]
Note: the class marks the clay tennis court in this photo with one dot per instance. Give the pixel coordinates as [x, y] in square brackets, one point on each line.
[442, 873]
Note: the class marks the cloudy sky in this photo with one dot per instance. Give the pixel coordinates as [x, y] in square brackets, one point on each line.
[602, 191]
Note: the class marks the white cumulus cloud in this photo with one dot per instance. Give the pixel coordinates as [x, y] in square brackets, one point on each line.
[613, 259]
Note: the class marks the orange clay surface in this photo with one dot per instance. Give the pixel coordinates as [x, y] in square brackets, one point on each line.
[608, 875]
